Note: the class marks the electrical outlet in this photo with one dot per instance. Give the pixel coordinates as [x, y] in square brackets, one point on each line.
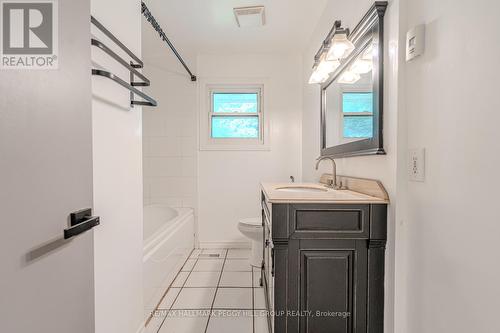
[416, 165]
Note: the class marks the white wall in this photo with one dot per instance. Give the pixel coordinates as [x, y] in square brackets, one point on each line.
[382, 168]
[228, 183]
[169, 145]
[169, 130]
[117, 154]
[449, 232]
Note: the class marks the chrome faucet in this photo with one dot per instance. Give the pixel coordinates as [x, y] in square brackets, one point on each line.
[333, 184]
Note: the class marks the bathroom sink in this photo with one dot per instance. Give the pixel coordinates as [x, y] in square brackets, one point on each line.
[315, 193]
[301, 189]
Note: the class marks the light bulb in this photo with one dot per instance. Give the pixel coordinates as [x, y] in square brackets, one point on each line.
[340, 47]
[327, 67]
[337, 51]
[349, 77]
[318, 77]
[361, 66]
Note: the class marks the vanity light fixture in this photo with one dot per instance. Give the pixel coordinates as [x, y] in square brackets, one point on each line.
[361, 66]
[322, 70]
[318, 77]
[327, 66]
[335, 47]
[364, 64]
[349, 77]
[340, 47]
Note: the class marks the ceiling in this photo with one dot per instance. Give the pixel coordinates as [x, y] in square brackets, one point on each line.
[209, 27]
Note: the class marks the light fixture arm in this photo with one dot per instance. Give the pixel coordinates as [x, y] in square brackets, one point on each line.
[325, 46]
[335, 47]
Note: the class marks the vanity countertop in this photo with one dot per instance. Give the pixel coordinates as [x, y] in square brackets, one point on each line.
[315, 193]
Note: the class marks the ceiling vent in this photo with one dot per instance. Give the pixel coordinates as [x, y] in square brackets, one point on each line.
[250, 16]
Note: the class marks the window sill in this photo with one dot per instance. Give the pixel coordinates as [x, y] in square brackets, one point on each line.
[234, 147]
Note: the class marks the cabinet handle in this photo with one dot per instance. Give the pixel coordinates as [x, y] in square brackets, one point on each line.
[272, 261]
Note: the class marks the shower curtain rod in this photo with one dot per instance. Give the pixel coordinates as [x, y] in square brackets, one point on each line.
[147, 14]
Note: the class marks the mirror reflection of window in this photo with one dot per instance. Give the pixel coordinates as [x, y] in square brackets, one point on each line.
[349, 102]
[357, 114]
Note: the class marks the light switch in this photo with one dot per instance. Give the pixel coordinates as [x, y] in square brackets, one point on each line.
[416, 165]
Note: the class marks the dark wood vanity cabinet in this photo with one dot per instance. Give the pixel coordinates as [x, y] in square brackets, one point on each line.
[323, 266]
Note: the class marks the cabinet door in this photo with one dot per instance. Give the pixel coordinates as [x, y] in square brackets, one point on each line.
[331, 284]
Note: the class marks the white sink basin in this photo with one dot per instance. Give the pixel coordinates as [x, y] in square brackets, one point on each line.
[301, 189]
[313, 193]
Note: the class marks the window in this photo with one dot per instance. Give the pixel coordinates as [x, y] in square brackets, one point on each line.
[235, 115]
[357, 114]
[232, 117]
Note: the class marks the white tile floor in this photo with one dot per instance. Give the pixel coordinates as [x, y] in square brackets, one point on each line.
[217, 291]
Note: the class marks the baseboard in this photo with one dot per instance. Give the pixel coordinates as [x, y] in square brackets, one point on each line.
[225, 245]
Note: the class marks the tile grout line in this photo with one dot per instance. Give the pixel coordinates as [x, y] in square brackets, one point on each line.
[170, 287]
[216, 289]
[182, 287]
[222, 287]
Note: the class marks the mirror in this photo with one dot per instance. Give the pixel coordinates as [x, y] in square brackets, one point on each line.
[352, 101]
[349, 102]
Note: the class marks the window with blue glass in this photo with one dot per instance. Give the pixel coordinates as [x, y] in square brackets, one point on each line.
[235, 115]
[357, 113]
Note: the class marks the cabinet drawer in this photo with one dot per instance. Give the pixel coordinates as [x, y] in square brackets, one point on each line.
[327, 221]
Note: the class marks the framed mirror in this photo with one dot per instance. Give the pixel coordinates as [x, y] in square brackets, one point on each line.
[352, 98]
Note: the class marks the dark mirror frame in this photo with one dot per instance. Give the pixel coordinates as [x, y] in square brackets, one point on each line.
[369, 29]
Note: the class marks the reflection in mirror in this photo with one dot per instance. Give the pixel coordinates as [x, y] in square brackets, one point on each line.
[352, 98]
[349, 101]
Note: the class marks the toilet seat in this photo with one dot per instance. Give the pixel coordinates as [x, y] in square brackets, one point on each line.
[253, 222]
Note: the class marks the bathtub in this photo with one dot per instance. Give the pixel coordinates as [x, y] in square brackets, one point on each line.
[168, 241]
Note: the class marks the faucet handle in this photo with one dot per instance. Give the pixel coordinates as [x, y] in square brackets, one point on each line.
[329, 182]
[341, 186]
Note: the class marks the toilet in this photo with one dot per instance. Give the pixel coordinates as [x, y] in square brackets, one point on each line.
[252, 229]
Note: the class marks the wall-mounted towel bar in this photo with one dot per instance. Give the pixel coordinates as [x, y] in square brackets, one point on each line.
[132, 67]
[113, 55]
[149, 101]
[115, 40]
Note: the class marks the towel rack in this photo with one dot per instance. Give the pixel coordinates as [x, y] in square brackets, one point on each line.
[132, 67]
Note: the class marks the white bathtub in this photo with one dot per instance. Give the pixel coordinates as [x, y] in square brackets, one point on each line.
[168, 240]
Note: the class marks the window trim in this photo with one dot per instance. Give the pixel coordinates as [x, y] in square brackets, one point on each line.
[207, 88]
